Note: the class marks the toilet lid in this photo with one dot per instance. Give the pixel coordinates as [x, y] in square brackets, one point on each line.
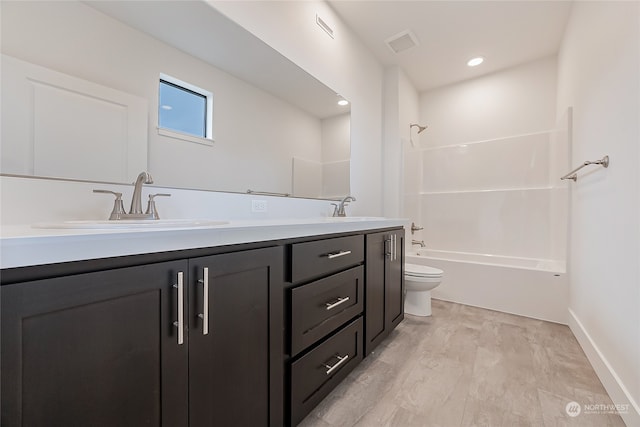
[421, 271]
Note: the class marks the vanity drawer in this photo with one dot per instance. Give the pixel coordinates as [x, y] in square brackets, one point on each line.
[320, 257]
[320, 307]
[314, 375]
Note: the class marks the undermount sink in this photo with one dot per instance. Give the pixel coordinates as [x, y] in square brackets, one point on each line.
[131, 224]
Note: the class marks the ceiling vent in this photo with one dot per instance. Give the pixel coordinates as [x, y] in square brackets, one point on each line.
[402, 41]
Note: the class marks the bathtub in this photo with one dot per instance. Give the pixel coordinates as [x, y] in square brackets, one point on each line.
[529, 287]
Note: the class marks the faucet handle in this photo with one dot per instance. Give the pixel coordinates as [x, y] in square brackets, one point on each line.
[151, 206]
[415, 228]
[118, 208]
[335, 209]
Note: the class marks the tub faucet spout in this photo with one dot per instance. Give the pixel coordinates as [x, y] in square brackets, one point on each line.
[418, 242]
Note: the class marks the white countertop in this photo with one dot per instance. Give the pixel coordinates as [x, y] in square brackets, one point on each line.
[25, 245]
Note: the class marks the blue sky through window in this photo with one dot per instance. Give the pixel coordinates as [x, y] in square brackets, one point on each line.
[182, 110]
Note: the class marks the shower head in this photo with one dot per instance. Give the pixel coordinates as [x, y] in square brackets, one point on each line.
[420, 128]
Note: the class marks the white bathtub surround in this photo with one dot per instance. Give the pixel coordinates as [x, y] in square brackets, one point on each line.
[514, 222]
[599, 75]
[483, 184]
[494, 208]
[524, 286]
[495, 197]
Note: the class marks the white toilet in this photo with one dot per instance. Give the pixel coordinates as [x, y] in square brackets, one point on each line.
[419, 280]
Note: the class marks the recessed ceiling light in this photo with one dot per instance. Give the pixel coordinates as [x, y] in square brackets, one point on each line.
[166, 107]
[343, 102]
[475, 61]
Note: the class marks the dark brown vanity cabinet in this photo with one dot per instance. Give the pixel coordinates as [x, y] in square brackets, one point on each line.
[385, 285]
[236, 374]
[239, 336]
[325, 305]
[193, 342]
[94, 349]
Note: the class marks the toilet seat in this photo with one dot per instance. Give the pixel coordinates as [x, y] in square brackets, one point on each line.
[422, 271]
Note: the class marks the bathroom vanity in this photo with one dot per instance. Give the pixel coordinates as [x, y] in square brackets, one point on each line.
[236, 332]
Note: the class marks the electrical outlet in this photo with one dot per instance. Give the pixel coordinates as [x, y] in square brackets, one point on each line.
[258, 206]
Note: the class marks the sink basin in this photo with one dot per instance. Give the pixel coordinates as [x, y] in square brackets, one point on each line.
[131, 224]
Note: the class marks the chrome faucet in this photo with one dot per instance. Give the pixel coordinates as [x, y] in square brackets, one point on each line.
[135, 212]
[338, 209]
[415, 228]
[136, 199]
[418, 242]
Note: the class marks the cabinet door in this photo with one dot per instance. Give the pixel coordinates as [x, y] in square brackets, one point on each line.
[376, 253]
[384, 285]
[95, 349]
[236, 363]
[394, 281]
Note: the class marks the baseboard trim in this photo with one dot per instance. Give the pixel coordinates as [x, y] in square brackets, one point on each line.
[610, 380]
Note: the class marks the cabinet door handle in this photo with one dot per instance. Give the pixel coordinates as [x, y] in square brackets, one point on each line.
[205, 301]
[389, 252]
[333, 255]
[394, 247]
[180, 322]
[333, 304]
[341, 360]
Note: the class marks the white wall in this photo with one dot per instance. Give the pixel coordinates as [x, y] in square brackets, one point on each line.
[400, 110]
[336, 138]
[31, 200]
[336, 153]
[256, 134]
[342, 63]
[330, 177]
[599, 73]
[511, 102]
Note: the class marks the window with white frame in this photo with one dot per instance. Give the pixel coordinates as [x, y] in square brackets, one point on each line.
[184, 111]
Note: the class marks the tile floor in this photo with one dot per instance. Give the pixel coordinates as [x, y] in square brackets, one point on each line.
[467, 366]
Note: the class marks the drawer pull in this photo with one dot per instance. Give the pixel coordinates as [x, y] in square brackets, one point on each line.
[334, 304]
[333, 255]
[180, 322]
[341, 360]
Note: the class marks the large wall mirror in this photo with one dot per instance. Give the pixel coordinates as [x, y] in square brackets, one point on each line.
[80, 101]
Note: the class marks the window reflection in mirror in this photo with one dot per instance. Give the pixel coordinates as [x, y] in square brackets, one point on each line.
[184, 109]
